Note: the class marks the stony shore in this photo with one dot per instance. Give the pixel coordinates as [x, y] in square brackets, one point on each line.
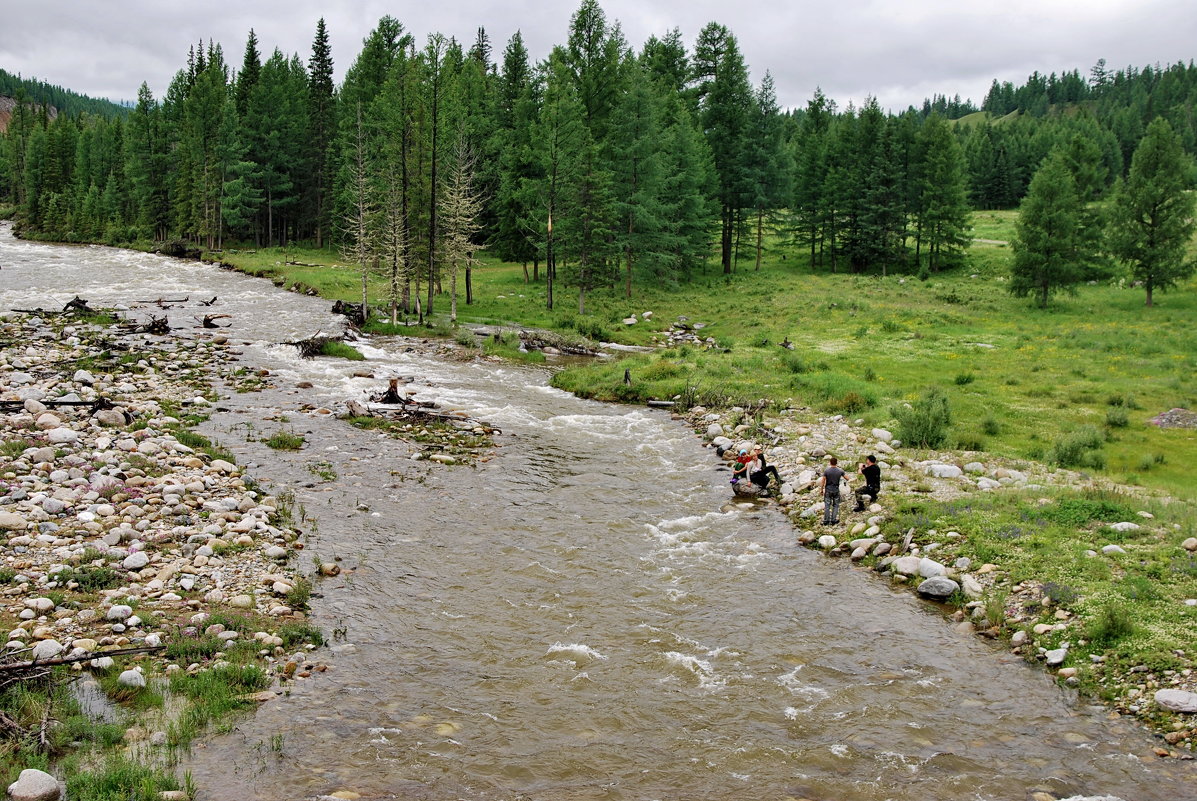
[927, 561]
[115, 532]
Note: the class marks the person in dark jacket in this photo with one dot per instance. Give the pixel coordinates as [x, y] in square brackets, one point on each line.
[872, 483]
[761, 469]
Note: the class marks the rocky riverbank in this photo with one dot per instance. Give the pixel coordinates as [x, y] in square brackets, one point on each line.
[121, 528]
[1033, 618]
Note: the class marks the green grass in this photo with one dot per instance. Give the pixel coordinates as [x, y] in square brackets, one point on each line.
[214, 694]
[285, 441]
[1018, 379]
[339, 350]
[1132, 603]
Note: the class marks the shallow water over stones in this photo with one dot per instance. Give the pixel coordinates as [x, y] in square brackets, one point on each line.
[585, 616]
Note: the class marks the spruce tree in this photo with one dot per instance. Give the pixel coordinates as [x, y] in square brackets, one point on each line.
[726, 102]
[943, 208]
[1152, 221]
[1049, 236]
[321, 132]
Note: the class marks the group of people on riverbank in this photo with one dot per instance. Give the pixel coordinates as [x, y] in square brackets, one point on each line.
[751, 465]
[834, 478]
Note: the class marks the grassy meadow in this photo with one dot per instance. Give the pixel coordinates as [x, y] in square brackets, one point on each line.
[1074, 384]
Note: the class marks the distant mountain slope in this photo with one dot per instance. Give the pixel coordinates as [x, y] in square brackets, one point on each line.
[59, 100]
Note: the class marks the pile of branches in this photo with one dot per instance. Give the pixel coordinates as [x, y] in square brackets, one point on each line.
[313, 345]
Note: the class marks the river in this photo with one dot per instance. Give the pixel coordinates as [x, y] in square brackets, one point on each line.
[586, 615]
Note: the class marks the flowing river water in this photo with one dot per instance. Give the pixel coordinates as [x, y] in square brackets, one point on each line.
[586, 615]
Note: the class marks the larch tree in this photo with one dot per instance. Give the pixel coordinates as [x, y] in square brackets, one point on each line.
[357, 224]
[461, 205]
[1151, 220]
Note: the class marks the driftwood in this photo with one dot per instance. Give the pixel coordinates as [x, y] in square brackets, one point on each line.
[161, 302]
[313, 345]
[38, 664]
[209, 320]
[96, 405]
[661, 404]
[156, 325]
[356, 312]
[405, 407]
[76, 304]
[208, 302]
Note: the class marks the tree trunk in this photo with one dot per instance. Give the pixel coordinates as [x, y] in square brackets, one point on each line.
[726, 240]
[760, 214]
[1149, 288]
[469, 279]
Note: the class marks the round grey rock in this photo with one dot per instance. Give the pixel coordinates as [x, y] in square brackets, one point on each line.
[131, 678]
[34, 785]
[1177, 700]
[939, 588]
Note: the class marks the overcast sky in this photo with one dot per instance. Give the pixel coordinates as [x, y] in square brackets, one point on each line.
[898, 52]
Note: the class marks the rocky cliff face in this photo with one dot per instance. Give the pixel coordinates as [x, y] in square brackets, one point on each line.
[7, 104]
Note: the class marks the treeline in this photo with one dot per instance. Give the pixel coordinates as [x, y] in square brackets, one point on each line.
[64, 101]
[1109, 109]
[599, 166]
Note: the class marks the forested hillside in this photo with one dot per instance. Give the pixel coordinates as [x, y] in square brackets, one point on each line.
[54, 98]
[604, 164]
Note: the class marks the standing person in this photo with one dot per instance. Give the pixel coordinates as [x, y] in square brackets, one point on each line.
[872, 485]
[830, 485]
[760, 470]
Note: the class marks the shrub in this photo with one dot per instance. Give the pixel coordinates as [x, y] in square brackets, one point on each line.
[285, 441]
[926, 423]
[990, 426]
[1117, 418]
[964, 378]
[1112, 624]
[794, 363]
[1060, 594]
[1076, 512]
[851, 403]
[1081, 448]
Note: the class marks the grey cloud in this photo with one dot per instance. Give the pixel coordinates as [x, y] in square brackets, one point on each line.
[899, 52]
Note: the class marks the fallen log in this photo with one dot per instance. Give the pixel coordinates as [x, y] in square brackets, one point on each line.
[661, 404]
[96, 405]
[37, 664]
[208, 302]
[162, 301]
